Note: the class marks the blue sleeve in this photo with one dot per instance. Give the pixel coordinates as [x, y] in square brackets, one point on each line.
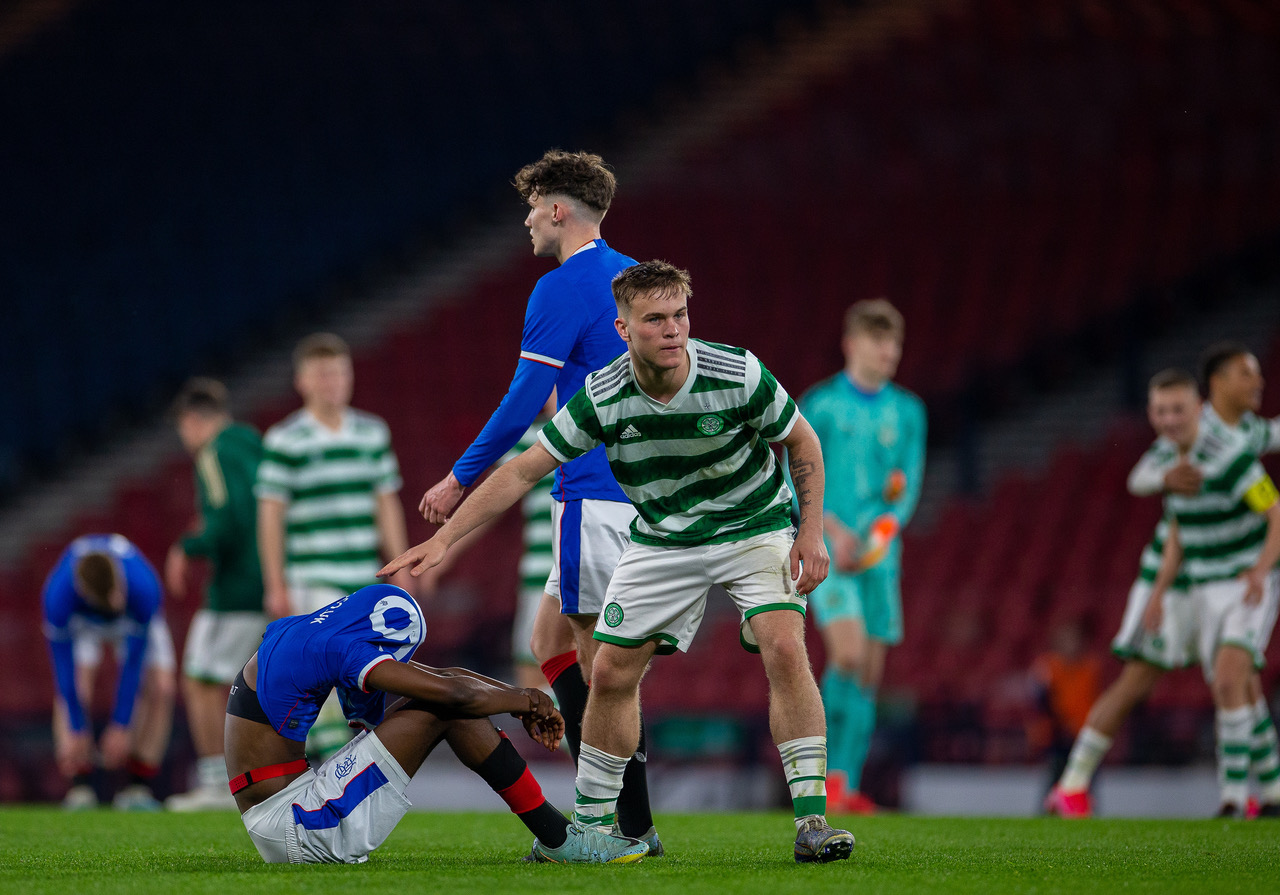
[912, 464]
[64, 675]
[528, 392]
[56, 602]
[130, 678]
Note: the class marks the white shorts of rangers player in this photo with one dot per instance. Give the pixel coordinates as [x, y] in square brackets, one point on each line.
[90, 638]
[336, 813]
[219, 643]
[1175, 645]
[590, 536]
[660, 593]
[1225, 620]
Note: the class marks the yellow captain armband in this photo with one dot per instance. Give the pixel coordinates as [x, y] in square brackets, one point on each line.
[1262, 496]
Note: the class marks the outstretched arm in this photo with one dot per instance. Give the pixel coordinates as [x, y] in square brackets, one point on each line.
[809, 560]
[494, 496]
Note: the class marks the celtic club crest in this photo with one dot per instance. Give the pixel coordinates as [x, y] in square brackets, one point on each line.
[710, 424]
[613, 615]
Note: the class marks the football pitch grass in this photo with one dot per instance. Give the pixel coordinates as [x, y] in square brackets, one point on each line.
[46, 850]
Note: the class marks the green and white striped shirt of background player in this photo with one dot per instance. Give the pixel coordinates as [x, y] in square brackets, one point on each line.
[1221, 528]
[331, 482]
[697, 468]
[538, 557]
[1262, 436]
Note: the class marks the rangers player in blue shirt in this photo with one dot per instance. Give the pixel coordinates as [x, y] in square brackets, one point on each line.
[568, 333]
[361, 645]
[104, 593]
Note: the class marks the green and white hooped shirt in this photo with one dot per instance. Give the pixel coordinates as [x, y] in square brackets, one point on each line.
[698, 468]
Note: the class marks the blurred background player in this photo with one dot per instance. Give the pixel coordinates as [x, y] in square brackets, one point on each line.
[1225, 539]
[568, 333]
[328, 499]
[227, 629]
[103, 593]
[1065, 680]
[537, 560]
[1230, 373]
[873, 445]
[360, 647]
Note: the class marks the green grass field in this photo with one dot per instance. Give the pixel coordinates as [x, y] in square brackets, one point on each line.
[46, 850]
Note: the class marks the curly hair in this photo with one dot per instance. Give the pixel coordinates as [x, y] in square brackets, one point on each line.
[578, 175]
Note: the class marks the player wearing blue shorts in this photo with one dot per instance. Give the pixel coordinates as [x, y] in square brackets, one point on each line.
[361, 646]
[568, 333]
[873, 444]
[104, 594]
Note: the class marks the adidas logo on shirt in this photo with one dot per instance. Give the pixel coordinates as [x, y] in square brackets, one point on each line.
[629, 432]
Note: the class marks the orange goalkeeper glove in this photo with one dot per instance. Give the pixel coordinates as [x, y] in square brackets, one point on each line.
[894, 485]
[883, 530]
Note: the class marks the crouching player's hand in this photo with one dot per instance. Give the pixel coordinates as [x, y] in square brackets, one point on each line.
[542, 721]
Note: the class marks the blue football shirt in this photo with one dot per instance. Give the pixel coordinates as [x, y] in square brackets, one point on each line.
[65, 611]
[304, 657]
[568, 333]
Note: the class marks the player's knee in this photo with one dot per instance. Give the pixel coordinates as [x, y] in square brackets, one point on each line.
[162, 688]
[845, 660]
[616, 671]
[785, 654]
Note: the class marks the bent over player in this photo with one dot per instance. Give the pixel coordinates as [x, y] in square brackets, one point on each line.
[686, 426]
[338, 812]
[104, 594]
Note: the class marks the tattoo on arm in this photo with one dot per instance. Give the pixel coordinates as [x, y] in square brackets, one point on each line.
[801, 472]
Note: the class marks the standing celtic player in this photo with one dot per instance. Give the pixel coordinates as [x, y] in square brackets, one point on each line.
[873, 437]
[1226, 540]
[328, 501]
[1234, 382]
[685, 425]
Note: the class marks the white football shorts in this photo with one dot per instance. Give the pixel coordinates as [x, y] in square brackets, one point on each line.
[1175, 645]
[90, 638]
[219, 643]
[336, 813]
[660, 593]
[590, 536]
[1225, 620]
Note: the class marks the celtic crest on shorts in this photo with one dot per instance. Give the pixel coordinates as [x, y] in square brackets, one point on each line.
[710, 424]
[613, 615]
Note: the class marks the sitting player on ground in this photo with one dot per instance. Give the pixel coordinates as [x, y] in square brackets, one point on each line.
[361, 646]
[686, 426]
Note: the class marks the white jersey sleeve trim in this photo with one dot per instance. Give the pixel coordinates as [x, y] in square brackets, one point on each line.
[364, 672]
[546, 443]
[782, 436]
[541, 359]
